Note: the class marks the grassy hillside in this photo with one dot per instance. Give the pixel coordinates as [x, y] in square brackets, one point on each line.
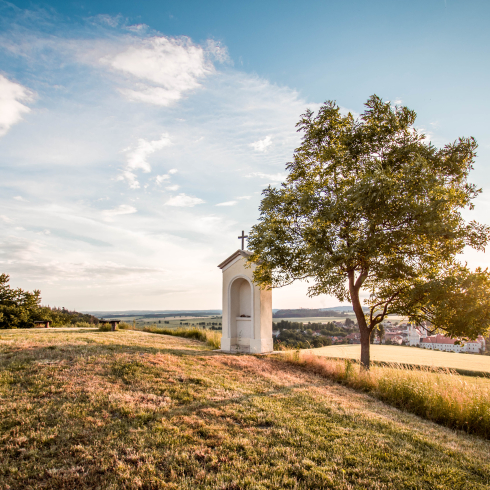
[409, 355]
[129, 409]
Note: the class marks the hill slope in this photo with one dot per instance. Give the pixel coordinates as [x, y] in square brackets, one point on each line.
[89, 409]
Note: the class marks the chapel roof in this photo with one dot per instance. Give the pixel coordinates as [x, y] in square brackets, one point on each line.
[243, 253]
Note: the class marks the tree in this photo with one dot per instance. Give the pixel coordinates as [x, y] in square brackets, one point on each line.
[18, 308]
[370, 206]
[378, 331]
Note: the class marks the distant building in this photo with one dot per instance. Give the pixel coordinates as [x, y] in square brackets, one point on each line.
[441, 342]
[353, 338]
[415, 334]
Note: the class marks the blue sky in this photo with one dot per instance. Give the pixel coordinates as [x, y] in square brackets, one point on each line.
[136, 137]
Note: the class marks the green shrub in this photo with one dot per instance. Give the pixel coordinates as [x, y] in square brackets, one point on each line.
[83, 325]
[124, 326]
[105, 327]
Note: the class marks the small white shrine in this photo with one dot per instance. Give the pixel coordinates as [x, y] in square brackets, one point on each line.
[247, 309]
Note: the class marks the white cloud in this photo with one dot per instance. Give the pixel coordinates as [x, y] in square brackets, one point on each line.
[82, 128]
[273, 178]
[184, 201]
[121, 209]
[20, 198]
[159, 179]
[262, 145]
[112, 21]
[11, 108]
[244, 197]
[218, 51]
[227, 203]
[6, 219]
[165, 68]
[137, 159]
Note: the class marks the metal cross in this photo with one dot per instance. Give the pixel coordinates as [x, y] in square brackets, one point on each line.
[242, 238]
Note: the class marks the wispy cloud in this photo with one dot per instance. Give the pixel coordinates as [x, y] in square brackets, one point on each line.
[122, 209]
[137, 159]
[6, 219]
[227, 203]
[159, 179]
[20, 198]
[12, 96]
[272, 178]
[164, 68]
[184, 201]
[69, 161]
[262, 145]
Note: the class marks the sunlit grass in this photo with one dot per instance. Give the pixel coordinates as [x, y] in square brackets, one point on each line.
[133, 410]
[440, 395]
[211, 337]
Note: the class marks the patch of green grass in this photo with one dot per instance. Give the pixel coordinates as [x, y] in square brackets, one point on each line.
[134, 410]
[442, 395]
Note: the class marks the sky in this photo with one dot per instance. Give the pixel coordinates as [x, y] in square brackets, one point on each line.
[136, 137]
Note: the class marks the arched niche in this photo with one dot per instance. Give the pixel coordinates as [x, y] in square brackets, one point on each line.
[247, 309]
[241, 312]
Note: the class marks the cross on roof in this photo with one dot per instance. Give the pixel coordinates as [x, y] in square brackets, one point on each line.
[242, 238]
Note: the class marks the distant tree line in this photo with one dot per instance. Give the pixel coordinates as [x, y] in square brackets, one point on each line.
[299, 336]
[20, 309]
[306, 312]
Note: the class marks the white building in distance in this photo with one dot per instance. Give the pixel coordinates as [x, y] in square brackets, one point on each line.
[417, 335]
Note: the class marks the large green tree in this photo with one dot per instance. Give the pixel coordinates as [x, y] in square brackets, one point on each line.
[371, 211]
[18, 308]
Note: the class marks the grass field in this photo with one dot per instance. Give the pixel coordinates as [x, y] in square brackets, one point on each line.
[174, 321]
[135, 410]
[409, 355]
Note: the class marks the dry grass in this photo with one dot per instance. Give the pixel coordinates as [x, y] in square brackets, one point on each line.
[410, 355]
[211, 337]
[133, 410]
[442, 396]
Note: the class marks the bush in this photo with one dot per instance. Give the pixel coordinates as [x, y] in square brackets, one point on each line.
[83, 325]
[105, 327]
[125, 326]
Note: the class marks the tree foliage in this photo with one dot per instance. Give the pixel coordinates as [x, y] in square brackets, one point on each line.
[370, 206]
[20, 309]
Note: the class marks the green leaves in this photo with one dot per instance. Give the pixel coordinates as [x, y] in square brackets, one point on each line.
[18, 308]
[456, 302]
[370, 205]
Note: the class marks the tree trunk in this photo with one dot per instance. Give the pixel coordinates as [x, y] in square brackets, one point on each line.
[365, 349]
[354, 287]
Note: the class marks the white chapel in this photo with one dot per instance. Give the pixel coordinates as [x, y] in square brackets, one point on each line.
[247, 309]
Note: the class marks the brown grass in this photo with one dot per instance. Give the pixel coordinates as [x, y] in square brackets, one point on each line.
[133, 410]
[441, 395]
